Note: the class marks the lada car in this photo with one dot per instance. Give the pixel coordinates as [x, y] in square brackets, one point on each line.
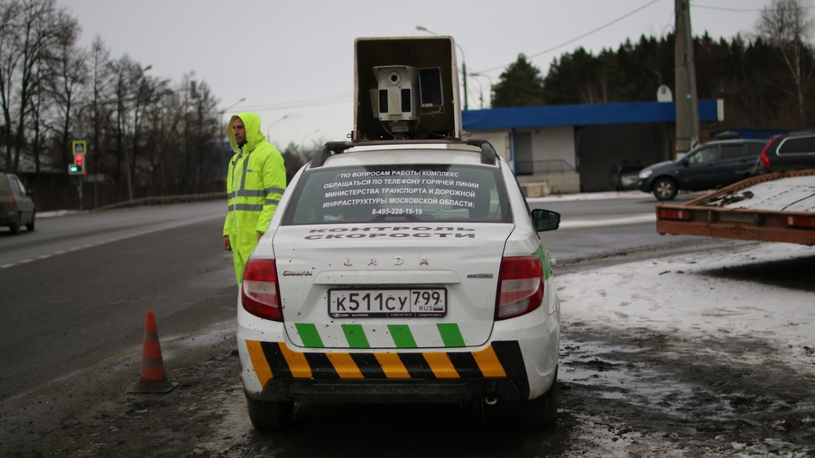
[398, 272]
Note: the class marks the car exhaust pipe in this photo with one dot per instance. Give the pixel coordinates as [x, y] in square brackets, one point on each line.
[490, 400]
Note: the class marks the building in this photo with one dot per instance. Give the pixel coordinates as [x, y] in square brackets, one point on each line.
[572, 148]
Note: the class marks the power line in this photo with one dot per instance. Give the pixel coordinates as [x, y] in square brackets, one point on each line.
[736, 10]
[330, 100]
[591, 32]
[719, 8]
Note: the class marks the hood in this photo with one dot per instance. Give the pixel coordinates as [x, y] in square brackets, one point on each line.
[657, 165]
[254, 136]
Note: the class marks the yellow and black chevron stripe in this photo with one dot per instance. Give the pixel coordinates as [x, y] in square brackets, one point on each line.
[276, 360]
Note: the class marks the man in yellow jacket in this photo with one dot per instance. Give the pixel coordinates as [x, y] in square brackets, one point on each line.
[255, 183]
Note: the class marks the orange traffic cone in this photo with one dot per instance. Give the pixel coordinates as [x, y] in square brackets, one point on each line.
[152, 378]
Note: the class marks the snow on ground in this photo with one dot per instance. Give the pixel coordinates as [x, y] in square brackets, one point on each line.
[674, 295]
[788, 194]
[589, 196]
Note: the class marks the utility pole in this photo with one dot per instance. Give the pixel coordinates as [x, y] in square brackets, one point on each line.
[687, 105]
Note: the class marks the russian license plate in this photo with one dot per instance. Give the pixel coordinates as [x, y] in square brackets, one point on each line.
[387, 303]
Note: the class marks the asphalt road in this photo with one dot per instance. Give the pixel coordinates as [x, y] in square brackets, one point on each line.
[75, 291]
[603, 227]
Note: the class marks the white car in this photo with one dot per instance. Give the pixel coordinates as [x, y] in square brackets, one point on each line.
[401, 272]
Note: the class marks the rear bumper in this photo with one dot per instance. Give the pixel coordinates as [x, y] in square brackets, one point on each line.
[389, 391]
[274, 371]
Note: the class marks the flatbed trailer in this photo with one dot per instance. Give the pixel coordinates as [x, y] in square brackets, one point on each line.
[778, 207]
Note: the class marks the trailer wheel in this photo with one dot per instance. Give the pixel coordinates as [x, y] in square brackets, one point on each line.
[665, 188]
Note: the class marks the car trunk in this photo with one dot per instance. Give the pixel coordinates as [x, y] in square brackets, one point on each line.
[389, 286]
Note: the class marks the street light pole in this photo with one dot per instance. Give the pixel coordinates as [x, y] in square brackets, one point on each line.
[233, 105]
[463, 62]
[491, 83]
[303, 141]
[269, 128]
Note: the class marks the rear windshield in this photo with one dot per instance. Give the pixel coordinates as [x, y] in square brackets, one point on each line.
[796, 145]
[394, 193]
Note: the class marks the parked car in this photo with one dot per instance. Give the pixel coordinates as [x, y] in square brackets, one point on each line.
[406, 271]
[624, 177]
[708, 166]
[791, 151]
[17, 209]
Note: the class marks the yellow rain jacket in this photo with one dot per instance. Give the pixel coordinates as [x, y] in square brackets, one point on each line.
[255, 183]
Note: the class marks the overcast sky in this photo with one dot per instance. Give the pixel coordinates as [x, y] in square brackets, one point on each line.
[295, 58]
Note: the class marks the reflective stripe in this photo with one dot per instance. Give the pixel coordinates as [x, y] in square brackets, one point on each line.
[243, 174]
[262, 369]
[246, 193]
[489, 363]
[248, 207]
[275, 190]
[344, 365]
[392, 365]
[230, 202]
[298, 365]
[498, 360]
[441, 365]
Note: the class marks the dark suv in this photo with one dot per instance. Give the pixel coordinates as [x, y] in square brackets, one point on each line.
[16, 207]
[790, 151]
[708, 166]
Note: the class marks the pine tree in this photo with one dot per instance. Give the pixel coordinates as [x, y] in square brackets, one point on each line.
[520, 85]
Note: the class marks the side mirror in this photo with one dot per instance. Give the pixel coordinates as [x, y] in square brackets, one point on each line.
[545, 220]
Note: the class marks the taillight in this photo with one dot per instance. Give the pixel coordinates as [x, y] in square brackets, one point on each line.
[259, 292]
[801, 221]
[520, 286]
[764, 158]
[669, 213]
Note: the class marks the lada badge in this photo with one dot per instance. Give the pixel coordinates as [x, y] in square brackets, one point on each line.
[397, 261]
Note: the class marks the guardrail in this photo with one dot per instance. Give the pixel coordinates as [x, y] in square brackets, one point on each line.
[543, 166]
[163, 200]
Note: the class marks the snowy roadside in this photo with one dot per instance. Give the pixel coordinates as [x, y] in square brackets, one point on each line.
[703, 313]
[674, 295]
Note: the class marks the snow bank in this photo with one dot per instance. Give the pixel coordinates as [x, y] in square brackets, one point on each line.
[676, 295]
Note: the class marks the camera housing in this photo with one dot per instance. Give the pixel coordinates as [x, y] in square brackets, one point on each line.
[411, 87]
[397, 97]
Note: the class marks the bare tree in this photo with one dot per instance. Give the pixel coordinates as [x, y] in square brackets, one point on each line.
[69, 77]
[128, 76]
[786, 24]
[98, 114]
[28, 33]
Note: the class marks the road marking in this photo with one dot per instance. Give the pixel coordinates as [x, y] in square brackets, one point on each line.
[114, 239]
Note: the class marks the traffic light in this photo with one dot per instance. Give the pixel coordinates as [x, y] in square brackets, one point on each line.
[78, 167]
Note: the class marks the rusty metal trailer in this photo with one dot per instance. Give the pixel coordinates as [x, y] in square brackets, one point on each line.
[778, 207]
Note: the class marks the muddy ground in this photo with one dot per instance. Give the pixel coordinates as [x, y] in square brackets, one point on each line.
[633, 392]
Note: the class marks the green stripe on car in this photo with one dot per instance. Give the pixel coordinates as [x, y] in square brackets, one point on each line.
[308, 332]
